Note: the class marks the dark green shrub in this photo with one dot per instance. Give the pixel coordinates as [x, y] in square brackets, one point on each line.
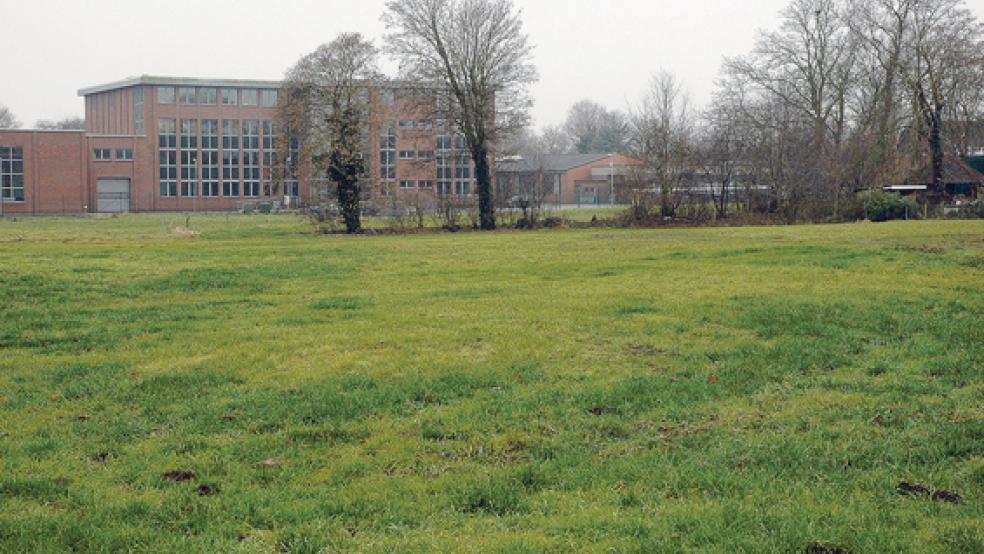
[882, 206]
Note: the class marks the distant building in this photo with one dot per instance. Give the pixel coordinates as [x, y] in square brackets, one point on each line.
[159, 144]
[568, 179]
[960, 179]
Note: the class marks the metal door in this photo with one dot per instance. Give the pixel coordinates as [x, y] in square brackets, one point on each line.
[112, 195]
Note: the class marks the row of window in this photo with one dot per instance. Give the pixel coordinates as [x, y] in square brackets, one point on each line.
[416, 155]
[461, 188]
[106, 154]
[239, 150]
[409, 184]
[210, 96]
[411, 124]
[11, 174]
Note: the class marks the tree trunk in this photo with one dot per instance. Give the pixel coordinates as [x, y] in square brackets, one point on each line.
[483, 178]
[936, 153]
[348, 201]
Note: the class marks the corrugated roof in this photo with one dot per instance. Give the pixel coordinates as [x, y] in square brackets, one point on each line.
[552, 163]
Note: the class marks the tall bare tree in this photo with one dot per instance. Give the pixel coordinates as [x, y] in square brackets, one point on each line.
[7, 119]
[477, 51]
[662, 135]
[943, 54]
[328, 96]
[879, 99]
[726, 138]
[808, 65]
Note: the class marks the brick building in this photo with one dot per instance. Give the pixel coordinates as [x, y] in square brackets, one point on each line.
[157, 144]
[568, 179]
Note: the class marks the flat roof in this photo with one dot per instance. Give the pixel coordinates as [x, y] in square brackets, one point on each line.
[63, 131]
[178, 82]
[906, 187]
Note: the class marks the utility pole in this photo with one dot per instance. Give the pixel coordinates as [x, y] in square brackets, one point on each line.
[611, 177]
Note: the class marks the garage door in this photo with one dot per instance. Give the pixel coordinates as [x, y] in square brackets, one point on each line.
[113, 195]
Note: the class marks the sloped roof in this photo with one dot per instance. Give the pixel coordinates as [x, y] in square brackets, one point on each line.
[976, 162]
[555, 163]
[955, 172]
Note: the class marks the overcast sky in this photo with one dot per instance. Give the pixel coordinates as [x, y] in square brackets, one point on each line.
[603, 50]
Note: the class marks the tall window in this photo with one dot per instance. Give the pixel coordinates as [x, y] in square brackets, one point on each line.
[230, 97]
[268, 98]
[138, 110]
[167, 142]
[189, 157]
[462, 169]
[210, 158]
[444, 172]
[165, 95]
[269, 155]
[387, 155]
[207, 96]
[251, 158]
[291, 185]
[11, 174]
[187, 95]
[249, 97]
[230, 158]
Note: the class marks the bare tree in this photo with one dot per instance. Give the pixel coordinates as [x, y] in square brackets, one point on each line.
[477, 51]
[527, 143]
[7, 119]
[553, 140]
[942, 57]
[726, 139]
[878, 101]
[328, 97]
[594, 129]
[662, 137]
[808, 66]
[66, 124]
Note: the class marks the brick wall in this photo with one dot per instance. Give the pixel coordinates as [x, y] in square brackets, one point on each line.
[55, 172]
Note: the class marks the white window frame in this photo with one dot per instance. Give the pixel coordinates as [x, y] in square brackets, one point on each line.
[12, 180]
[187, 96]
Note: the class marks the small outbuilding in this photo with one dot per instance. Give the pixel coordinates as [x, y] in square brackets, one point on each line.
[960, 180]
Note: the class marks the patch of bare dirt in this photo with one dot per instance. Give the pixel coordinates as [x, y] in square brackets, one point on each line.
[178, 476]
[915, 489]
[207, 490]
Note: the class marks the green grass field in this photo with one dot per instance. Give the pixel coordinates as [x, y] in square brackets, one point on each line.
[258, 388]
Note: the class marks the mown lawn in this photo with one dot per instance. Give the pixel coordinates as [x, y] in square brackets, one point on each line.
[258, 388]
